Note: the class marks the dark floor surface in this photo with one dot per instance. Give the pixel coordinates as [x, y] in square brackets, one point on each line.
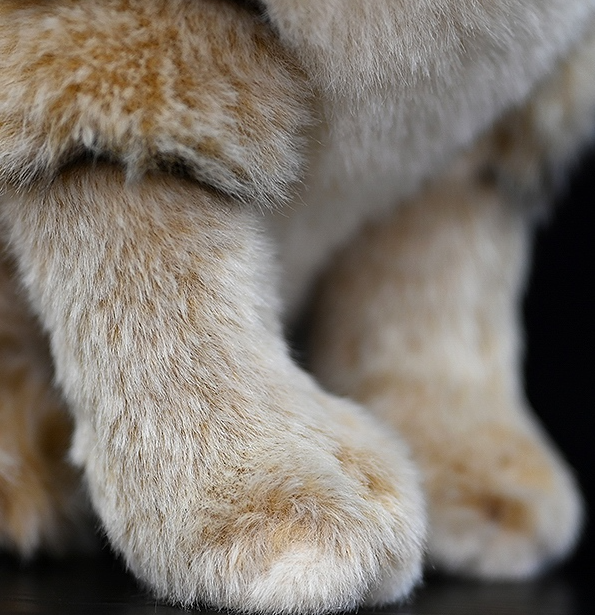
[98, 586]
[560, 370]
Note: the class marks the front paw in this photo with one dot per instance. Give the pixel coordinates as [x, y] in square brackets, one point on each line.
[286, 509]
[218, 469]
[42, 505]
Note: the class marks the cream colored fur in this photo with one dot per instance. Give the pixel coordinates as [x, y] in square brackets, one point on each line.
[424, 78]
[170, 168]
[219, 469]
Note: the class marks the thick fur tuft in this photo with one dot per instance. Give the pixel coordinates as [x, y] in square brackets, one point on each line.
[207, 92]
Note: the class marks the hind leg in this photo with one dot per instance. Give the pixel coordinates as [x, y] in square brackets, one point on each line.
[420, 320]
[40, 503]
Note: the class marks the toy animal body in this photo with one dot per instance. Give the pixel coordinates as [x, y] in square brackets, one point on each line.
[169, 168]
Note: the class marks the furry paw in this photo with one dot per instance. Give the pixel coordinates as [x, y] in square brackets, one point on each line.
[41, 507]
[41, 504]
[219, 470]
[312, 510]
[502, 504]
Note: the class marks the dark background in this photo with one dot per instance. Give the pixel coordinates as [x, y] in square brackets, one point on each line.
[559, 314]
[560, 362]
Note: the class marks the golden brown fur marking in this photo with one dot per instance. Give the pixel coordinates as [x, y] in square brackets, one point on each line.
[208, 91]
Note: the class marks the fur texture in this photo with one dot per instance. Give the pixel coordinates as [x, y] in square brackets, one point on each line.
[180, 177]
[218, 468]
[423, 78]
[41, 501]
[197, 94]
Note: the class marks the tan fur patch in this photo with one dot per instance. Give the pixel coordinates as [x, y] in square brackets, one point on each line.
[209, 92]
[40, 504]
[360, 465]
[509, 514]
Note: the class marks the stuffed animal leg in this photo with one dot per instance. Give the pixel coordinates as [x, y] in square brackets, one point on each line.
[42, 505]
[134, 163]
[219, 470]
[419, 319]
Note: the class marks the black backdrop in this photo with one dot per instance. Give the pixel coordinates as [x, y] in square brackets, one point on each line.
[560, 350]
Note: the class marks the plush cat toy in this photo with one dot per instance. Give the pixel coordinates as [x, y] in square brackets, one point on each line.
[179, 178]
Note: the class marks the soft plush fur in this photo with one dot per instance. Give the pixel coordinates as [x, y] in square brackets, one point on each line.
[181, 177]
